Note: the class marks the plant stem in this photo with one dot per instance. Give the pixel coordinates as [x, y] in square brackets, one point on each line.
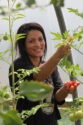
[12, 43]
[77, 50]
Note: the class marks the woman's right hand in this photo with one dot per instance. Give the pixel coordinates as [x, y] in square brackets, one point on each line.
[63, 50]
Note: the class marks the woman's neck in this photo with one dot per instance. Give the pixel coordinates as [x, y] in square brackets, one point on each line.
[35, 61]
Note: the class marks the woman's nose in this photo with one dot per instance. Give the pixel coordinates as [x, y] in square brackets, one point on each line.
[37, 43]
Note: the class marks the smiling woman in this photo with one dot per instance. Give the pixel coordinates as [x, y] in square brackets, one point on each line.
[32, 48]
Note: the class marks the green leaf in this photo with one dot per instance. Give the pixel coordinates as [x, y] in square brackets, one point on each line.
[20, 36]
[34, 90]
[2, 53]
[75, 11]
[65, 34]
[5, 18]
[57, 36]
[27, 113]
[11, 118]
[19, 16]
[59, 44]
[79, 99]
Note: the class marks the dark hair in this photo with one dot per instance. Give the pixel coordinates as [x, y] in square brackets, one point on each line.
[24, 29]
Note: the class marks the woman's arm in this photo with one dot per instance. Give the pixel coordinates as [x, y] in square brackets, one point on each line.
[49, 66]
[61, 94]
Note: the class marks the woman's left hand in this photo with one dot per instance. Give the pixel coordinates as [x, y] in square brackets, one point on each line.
[71, 86]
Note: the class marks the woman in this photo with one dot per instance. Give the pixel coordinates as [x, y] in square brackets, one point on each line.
[32, 50]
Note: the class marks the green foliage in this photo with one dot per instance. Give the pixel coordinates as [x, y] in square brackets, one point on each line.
[34, 90]
[11, 117]
[58, 36]
[3, 53]
[27, 113]
[71, 69]
[2, 56]
[75, 11]
[74, 110]
[58, 2]
[24, 72]
[4, 94]
[76, 43]
[19, 36]
[30, 3]
[18, 16]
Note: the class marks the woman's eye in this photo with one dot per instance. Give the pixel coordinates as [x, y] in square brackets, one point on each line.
[41, 39]
[31, 41]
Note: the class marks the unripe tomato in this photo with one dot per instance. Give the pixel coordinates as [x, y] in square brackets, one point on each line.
[72, 117]
[79, 114]
[80, 37]
[76, 115]
[5, 37]
[7, 95]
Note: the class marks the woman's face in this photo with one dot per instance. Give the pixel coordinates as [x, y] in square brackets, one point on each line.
[35, 44]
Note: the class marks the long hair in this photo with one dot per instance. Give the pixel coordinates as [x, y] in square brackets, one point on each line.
[24, 29]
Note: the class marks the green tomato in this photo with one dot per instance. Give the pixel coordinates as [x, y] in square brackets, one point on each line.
[72, 117]
[7, 95]
[80, 37]
[76, 115]
[79, 114]
[18, 5]
[5, 37]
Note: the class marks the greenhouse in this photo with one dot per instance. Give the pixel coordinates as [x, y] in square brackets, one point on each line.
[41, 62]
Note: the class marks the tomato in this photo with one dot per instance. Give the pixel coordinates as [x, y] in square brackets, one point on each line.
[79, 114]
[7, 95]
[71, 89]
[76, 115]
[72, 117]
[71, 83]
[67, 85]
[71, 86]
[5, 37]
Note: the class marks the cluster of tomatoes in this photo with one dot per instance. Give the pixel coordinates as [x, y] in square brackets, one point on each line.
[77, 115]
[71, 86]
